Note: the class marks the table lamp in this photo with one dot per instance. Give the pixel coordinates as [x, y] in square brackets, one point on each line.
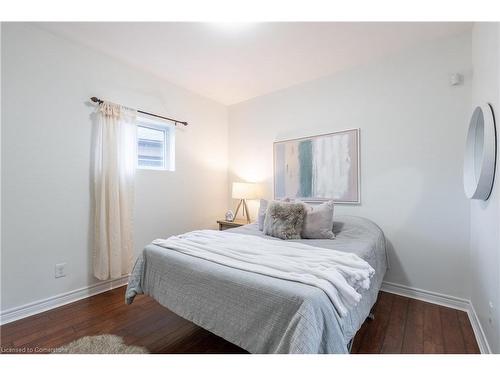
[244, 191]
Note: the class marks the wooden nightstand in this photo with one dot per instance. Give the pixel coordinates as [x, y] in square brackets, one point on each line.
[224, 224]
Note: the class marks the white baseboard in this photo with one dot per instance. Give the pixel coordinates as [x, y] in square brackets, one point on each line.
[39, 306]
[478, 331]
[427, 296]
[443, 300]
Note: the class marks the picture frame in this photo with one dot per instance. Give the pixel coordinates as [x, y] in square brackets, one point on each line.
[319, 168]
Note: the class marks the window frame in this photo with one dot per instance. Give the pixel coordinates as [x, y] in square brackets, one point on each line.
[168, 143]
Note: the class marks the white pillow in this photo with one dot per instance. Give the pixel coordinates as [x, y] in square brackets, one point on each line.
[262, 213]
[318, 223]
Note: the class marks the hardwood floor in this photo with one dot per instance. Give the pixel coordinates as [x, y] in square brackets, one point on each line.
[401, 325]
[409, 326]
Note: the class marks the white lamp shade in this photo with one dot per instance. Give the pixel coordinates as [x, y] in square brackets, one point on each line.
[245, 190]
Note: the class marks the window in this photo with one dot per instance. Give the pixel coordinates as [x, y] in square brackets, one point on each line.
[155, 145]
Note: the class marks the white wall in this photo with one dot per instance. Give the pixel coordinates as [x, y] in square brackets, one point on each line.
[413, 126]
[46, 147]
[485, 216]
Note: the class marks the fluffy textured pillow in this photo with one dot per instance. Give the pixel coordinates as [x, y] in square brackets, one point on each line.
[318, 223]
[284, 220]
[262, 211]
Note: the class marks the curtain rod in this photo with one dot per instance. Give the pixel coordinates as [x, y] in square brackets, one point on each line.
[97, 100]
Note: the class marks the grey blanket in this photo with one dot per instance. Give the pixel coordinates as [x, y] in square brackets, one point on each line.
[259, 313]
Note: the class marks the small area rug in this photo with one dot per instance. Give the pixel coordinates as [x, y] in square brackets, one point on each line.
[102, 344]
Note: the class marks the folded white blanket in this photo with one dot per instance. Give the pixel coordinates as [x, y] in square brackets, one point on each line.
[340, 275]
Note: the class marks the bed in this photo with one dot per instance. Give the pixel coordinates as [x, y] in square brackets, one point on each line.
[259, 313]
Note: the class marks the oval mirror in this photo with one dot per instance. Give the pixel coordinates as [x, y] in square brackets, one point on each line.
[480, 154]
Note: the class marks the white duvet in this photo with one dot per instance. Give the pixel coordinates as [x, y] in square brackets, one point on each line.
[339, 274]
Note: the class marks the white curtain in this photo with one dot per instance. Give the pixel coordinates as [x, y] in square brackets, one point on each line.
[114, 171]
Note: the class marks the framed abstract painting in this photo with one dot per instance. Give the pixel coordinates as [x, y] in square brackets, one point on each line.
[318, 168]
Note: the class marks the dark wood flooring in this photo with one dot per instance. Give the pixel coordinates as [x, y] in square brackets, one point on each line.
[401, 325]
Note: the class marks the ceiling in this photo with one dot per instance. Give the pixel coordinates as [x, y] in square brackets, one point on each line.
[231, 63]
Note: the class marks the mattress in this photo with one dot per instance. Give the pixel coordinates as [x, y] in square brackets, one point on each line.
[259, 313]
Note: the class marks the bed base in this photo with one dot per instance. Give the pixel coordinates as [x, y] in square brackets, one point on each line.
[371, 316]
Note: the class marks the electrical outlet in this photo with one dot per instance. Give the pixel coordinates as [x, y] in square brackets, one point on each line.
[60, 270]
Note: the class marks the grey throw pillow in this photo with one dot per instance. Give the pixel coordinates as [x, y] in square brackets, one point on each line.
[318, 223]
[284, 220]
